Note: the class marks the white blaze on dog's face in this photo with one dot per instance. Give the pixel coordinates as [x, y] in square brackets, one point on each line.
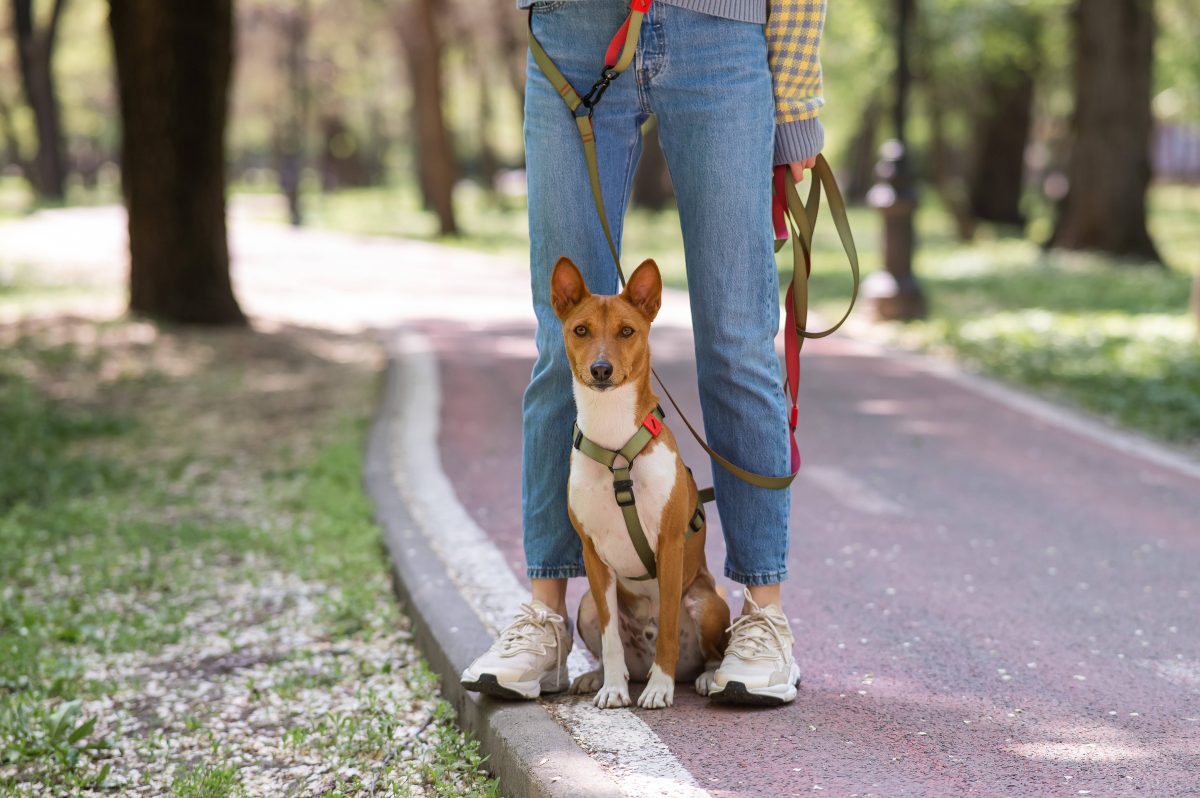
[607, 337]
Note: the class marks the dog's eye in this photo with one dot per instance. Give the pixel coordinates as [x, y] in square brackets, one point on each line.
[581, 331]
[626, 332]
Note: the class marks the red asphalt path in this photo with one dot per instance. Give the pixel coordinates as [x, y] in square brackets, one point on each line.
[984, 603]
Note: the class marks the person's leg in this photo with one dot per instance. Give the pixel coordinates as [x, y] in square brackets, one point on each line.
[715, 106]
[563, 222]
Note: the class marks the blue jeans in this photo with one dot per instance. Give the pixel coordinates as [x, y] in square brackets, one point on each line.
[707, 81]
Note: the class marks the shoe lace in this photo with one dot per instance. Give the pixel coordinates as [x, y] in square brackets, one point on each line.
[756, 635]
[529, 630]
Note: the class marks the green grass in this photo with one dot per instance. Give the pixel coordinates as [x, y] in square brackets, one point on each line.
[207, 781]
[106, 552]
[1114, 338]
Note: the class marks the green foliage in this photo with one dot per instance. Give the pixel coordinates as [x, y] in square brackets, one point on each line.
[1177, 68]
[207, 781]
[1116, 340]
[36, 465]
[34, 731]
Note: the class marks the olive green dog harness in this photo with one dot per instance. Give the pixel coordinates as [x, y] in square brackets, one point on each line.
[650, 428]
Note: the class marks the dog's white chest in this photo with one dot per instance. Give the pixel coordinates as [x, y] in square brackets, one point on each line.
[609, 419]
[590, 495]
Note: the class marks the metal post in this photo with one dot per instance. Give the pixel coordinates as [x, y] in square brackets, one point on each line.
[894, 292]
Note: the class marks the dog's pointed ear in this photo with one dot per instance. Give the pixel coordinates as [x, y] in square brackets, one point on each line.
[644, 289]
[567, 288]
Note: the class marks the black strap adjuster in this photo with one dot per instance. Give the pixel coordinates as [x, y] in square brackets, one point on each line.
[623, 486]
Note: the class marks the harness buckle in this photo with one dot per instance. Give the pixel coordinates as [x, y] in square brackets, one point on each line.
[623, 486]
[652, 424]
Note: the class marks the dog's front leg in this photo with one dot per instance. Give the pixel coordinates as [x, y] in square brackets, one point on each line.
[603, 582]
[660, 686]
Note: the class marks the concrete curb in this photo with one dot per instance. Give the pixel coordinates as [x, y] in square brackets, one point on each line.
[527, 749]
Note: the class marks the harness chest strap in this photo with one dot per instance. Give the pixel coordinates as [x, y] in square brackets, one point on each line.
[651, 426]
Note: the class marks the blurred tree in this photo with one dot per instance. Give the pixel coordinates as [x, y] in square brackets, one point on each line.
[173, 69]
[978, 66]
[1177, 67]
[295, 22]
[862, 154]
[437, 170]
[513, 48]
[1109, 164]
[946, 162]
[1001, 132]
[35, 55]
[1003, 119]
[10, 139]
[344, 163]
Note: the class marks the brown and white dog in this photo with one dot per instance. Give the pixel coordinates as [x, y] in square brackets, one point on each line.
[660, 630]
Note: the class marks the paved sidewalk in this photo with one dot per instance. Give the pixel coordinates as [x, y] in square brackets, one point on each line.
[989, 598]
[984, 602]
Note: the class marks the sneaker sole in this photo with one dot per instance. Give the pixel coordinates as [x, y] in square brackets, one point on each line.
[489, 685]
[736, 693]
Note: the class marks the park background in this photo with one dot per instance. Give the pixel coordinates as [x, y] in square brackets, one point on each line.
[1052, 170]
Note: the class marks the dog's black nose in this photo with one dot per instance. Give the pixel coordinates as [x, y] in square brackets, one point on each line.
[601, 371]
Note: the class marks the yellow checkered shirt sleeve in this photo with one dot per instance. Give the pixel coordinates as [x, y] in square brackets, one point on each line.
[793, 49]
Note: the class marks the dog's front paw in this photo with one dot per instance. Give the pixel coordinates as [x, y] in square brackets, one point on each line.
[589, 682]
[612, 696]
[706, 681]
[659, 692]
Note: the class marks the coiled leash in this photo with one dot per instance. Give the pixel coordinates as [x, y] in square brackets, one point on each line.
[788, 213]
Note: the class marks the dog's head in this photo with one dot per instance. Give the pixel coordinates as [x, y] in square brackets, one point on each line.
[607, 337]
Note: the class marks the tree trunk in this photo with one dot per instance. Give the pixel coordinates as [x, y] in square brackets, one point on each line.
[12, 145]
[1109, 165]
[35, 50]
[173, 68]
[514, 48]
[863, 154]
[652, 182]
[946, 168]
[434, 155]
[1001, 136]
[489, 162]
[294, 24]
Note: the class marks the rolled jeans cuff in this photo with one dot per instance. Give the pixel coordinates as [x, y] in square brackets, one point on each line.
[757, 580]
[560, 572]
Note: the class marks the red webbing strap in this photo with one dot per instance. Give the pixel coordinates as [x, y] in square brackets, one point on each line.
[616, 45]
[791, 360]
[779, 206]
[619, 55]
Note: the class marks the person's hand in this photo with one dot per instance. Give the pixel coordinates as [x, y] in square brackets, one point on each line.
[798, 168]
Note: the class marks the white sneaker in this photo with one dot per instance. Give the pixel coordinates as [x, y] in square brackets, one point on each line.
[528, 659]
[758, 668]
